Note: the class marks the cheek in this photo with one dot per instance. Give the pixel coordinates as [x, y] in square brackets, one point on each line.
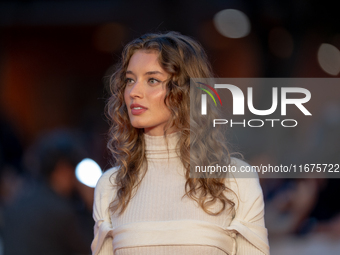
[161, 107]
[158, 98]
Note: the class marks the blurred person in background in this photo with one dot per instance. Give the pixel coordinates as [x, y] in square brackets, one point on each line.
[43, 219]
[303, 216]
[11, 153]
[10, 169]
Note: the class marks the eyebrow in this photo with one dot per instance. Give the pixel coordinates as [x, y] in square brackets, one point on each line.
[147, 73]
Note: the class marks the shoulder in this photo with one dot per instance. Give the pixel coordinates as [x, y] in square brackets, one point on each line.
[104, 193]
[106, 181]
[246, 185]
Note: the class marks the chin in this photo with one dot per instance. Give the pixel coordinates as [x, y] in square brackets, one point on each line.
[136, 124]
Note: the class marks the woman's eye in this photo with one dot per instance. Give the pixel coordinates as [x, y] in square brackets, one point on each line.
[128, 81]
[153, 81]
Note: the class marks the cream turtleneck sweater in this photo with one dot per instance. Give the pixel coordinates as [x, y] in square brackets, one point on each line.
[158, 221]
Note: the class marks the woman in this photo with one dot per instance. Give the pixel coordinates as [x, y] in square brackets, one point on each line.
[147, 204]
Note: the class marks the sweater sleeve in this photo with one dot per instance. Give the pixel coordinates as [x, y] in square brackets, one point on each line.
[103, 195]
[248, 224]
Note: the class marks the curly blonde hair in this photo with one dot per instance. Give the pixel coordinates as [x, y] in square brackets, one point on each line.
[183, 58]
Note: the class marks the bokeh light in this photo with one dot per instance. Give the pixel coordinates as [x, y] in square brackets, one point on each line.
[329, 59]
[88, 172]
[232, 23]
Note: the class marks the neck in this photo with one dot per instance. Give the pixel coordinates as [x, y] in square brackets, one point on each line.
[162, 147]
[159, 131]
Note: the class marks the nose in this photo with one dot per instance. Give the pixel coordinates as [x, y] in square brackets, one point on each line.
[136, 90]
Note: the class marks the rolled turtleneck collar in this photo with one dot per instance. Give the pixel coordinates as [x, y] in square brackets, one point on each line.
[157, 147]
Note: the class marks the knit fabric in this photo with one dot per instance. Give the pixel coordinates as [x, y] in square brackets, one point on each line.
[160, 220]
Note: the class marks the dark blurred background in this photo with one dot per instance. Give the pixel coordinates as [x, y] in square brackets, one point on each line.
[55, 57]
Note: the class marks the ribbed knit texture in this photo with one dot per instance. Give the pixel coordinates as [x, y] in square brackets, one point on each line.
[160, 198]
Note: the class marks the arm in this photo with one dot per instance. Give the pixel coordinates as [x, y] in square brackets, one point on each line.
[248, 224]
[103, 195]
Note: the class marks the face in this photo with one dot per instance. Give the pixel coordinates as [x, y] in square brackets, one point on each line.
[145, 92]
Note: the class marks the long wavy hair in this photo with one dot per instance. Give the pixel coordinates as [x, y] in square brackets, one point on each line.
[183, 58]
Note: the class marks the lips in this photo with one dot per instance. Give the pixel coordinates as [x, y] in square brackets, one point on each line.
[137, 109]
